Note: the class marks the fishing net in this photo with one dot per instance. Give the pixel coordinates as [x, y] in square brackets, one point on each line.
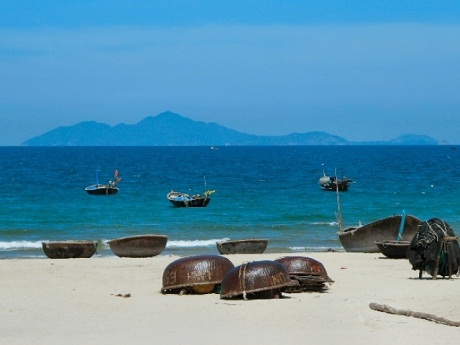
[435, 249]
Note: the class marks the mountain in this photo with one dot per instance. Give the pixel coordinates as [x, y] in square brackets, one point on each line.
[169, 129]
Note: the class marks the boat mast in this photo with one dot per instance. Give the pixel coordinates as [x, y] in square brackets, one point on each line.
[339, 211]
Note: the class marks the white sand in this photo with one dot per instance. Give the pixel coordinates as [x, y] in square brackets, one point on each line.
[75, 301]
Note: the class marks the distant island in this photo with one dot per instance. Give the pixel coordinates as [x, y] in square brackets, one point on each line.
[169, 129]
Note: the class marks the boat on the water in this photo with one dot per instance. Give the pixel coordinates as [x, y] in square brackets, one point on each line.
[333, 183]
[363, 238]
[179, 199]
[248, 246]
[104, 189]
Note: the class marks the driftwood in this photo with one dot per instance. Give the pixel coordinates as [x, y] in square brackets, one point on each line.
[430, 317]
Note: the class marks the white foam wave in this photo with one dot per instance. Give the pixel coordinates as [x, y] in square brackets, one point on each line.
[315, 249]
[194, 243]
[16, 245]
[326, 223]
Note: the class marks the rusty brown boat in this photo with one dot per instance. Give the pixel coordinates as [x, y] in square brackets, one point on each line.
[199, 274]
[245, 246]
[255, 280]
[307, 274]
[140, 246]
[69, 249]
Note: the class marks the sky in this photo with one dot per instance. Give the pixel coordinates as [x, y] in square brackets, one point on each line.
[362, 70]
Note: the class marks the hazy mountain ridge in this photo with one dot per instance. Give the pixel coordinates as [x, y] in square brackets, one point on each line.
[169, 129]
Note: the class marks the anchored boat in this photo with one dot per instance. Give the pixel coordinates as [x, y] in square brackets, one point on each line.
[104, 189]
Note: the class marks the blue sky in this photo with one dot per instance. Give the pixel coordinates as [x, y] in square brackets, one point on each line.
[363, 70]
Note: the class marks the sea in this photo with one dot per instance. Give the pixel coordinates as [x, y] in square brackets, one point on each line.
[269, 192]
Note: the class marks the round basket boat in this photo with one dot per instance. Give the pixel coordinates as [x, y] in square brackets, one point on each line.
[140, 246]
[394, 249]
[306, 273]
[249, 246]
[303, 265]
[199, 274]
[255, 280]
[69, 249]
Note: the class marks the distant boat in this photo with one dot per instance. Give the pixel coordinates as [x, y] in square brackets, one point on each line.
[333, 183]
[179, 199]
[104, 189]
[214, 148]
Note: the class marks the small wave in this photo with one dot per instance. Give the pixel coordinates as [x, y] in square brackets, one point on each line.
[18, 245]
[325, 223]
[194, 243]
[315, 249]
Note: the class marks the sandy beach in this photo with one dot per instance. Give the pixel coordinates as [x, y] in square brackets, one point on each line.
[111, 300]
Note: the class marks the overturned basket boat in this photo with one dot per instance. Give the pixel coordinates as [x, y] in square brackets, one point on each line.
[394, 249]
[140, 246]
[307, 274]
[255, 280]
[199, 274]
[69, 249]
[249, 246]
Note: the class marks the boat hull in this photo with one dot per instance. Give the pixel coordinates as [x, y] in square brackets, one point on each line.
[101, 190]
[178, 199]
[363, 238]
[251, 246]
[191, 203]
[141, 246]
[333, 183]
[394, 249]
[342, 186]
[69, 249]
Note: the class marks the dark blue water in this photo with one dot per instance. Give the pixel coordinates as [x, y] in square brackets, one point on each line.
[263, 192]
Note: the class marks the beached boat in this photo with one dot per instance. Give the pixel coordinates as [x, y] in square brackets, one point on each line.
[140, 246]
[104, 189]
[69, 249]
[249, 246]
[179, 199]
[333, 183]
[363, 238]
[394, 249]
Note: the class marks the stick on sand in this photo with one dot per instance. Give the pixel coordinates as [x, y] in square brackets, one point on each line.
[429, 317]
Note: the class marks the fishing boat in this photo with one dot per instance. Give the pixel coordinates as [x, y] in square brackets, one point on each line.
[364, 238]
[179, 199]
[104, 189]
[332, 183]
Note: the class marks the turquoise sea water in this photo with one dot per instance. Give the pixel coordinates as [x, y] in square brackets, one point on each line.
[262, 192]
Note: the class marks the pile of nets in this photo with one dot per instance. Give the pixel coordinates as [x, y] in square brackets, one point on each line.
[435, 249]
